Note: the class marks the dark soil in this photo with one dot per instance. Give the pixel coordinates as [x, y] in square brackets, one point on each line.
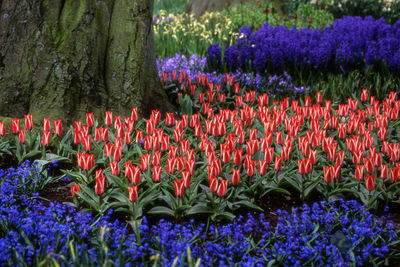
[59, 192]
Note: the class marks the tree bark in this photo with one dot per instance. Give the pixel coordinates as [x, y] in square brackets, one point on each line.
[63, 58]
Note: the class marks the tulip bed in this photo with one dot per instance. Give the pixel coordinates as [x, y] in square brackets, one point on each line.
[228, 150]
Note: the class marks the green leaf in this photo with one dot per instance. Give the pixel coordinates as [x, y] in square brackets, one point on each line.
[31, 154]
[200, 208]
[162, 210]
[224, 215]
[310, 188]
[248, 204]
[120, 197]
[295, 183]
[89, 201]
[53, 157]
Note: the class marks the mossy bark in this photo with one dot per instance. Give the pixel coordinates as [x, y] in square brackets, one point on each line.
[63, 58]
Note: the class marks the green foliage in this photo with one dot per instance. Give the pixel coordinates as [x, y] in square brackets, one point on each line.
[390, 10]
[248, 14]
[188, 35]
[171, 6]
[309, 16]
[255, 14]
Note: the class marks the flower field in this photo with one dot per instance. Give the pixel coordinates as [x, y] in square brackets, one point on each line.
[191, 187]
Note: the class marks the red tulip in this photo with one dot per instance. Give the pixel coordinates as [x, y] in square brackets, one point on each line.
[100, 182]
[237, 156]
[97, 134]
[369, 164]
[184, 145]
[87, 144]
[169, 120]
[108, 149]
[77, 137]
[134, 114]
[46, 138]
[278, 163]
[85, 131]
[117, 152]
[133, 193]
[370, 183]
[46, 124]
[171, 162]
[148, 142]
[89, 119]
[313, 156]
[157, 173]
[342, 130]
[108, 118]
[213, 184]
[239, 101]
[145, 161]
[237, 88]
[269, 155]
[359, 172]
[394, 174]
[180, 163]
[382, 133]
[262, 167]
[328, 174]
[156, 158]
[336, 171]
[190, 166]
[28, 121]
[384, 171]
[252, 147]
[2, 129]
[135, 177]
[378, 159]
[222, 188]
[307, 103]
[22, 136]
[149, 126]
[173, 150]
[58, 130]
[241, 137]
[357, 157]
[319, 97]
[114, 168]
[186, 178]
[15, 126]
[127, 138]
[164, 142]
[279, 137]
[340, 157]
[235, 176]
[364, 95]
[155, 116]
[75, 188]
[139, 136]
[251, 168]
[179, 188]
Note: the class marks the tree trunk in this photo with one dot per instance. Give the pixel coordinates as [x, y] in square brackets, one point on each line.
[63, 58]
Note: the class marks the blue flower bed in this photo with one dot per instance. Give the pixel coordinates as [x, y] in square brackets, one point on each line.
[195, 66]
[349, 41]
[341, 233]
